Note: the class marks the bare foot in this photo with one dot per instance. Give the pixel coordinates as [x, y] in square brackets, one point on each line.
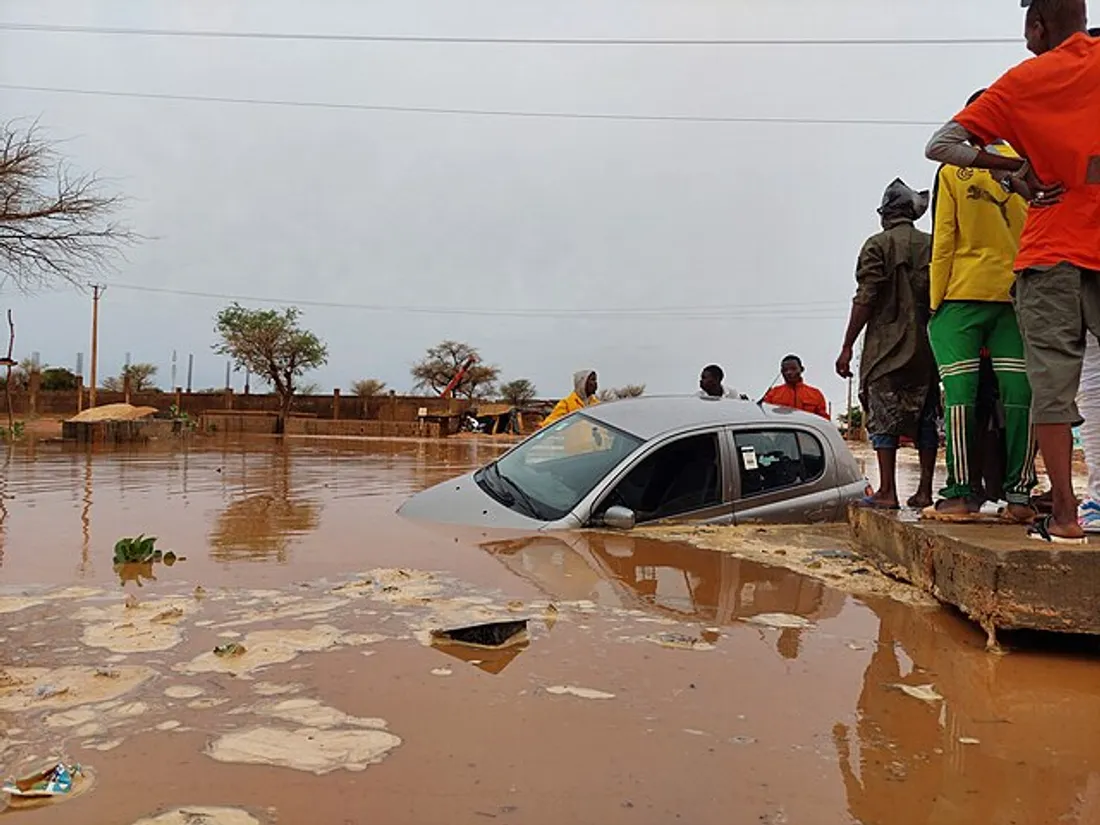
[1056, 532]
[1071, 530]
[920, 500]
[1020, 514]
[880, 501]
[955, 507]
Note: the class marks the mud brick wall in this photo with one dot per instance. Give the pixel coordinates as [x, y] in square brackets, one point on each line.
[380, 408]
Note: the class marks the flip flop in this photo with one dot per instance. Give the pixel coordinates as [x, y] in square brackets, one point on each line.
[869, 503]
[930, 513]
[1040, 531]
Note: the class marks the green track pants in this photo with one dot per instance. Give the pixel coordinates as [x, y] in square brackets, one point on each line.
[957, 332]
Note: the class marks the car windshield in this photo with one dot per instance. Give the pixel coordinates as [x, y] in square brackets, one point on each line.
[548, 475]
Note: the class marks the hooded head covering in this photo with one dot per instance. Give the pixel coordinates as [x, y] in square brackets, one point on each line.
[900, 203]
[580, 383]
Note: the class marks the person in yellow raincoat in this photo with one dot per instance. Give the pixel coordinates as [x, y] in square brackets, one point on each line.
[583, 395]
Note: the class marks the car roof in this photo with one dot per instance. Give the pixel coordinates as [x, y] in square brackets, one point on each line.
[652, 416]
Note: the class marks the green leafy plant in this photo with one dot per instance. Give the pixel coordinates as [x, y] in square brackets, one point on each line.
[12, 433]
[141, 550]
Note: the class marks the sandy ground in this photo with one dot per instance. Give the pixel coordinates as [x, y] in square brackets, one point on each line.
[661, 680]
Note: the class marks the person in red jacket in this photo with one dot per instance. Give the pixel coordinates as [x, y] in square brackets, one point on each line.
[796, 393]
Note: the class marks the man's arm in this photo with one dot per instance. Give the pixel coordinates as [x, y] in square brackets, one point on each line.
[870, 275]
[944, 228]
[953, 145]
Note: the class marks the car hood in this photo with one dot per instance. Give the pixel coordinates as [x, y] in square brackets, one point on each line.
[461, 501]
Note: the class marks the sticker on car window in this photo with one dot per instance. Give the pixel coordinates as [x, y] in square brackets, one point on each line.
[748, 458]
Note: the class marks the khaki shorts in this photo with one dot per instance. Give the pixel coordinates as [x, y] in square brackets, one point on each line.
[1056, 307]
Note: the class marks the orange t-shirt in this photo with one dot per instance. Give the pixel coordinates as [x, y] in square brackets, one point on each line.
[799, 397]
[1048, 109]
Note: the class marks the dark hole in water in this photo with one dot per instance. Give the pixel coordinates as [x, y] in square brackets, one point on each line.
[491, 634]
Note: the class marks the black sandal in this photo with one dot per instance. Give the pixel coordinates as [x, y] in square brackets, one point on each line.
[1040, 531]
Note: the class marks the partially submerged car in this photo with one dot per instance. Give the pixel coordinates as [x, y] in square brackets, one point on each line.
[711, 461]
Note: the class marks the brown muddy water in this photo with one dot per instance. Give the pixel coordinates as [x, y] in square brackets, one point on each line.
[662, 682]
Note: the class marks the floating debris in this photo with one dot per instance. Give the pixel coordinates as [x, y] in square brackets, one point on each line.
[969, 740]
[183, 691]
[50, 784]
[580, 692]
[230, 650]
[442, 671]
[305, 749]
[679, 641]
[925, 693]
[487, 635]
[202, 816]
[780, 620]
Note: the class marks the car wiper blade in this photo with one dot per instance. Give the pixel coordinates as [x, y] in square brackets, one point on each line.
[496, 489]
[528, 502]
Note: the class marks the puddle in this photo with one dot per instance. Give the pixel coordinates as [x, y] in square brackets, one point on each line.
[633, 643]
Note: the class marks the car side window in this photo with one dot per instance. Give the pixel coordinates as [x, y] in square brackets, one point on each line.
[773, 460]
[813, 456]
[681, 477]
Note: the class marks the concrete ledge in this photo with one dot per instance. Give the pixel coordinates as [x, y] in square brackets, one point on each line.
[991, 572]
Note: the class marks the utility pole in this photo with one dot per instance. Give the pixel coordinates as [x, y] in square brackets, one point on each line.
[173, 370]
[190, 368]
[97, 291]
[228, 364]
[848, 413]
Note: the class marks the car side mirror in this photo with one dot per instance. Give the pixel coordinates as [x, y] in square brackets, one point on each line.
[619, 518]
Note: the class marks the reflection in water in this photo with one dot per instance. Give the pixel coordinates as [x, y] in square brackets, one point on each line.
[259, 526]
[4, 500]
[1005, 745]
[680, 581]
[86, 517]
[490, 660]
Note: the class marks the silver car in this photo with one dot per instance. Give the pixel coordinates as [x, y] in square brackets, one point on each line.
[711, 461]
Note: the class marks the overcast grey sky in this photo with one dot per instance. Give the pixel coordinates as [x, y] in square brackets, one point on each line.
[494, 213]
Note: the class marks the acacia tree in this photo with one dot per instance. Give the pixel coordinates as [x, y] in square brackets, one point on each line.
[368, 387]
[272, 346]
[140, 375]
[519, 392]
[443, 361]
[55, 224]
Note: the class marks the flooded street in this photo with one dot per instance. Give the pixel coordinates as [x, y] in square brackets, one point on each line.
[662, 682]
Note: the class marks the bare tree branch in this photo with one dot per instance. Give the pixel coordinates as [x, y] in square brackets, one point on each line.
[55, 225]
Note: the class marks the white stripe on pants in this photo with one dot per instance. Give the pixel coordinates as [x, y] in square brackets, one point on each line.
[1088, 403]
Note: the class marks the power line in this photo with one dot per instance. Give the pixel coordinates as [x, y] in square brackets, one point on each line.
[784, 309]
[436, 110]
[520, 41]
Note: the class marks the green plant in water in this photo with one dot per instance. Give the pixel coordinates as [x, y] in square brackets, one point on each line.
[141, 550]
[12, 433]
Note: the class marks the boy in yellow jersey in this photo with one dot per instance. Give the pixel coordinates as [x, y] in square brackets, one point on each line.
[977, 224]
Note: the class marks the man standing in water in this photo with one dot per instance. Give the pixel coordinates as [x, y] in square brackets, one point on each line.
[975, 236]
[1047, 109]
[899, 389]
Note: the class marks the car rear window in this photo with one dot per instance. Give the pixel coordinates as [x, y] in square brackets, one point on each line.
[771, 460]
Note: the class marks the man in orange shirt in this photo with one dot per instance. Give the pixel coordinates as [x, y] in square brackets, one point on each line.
[1048, 109]
[796, 393]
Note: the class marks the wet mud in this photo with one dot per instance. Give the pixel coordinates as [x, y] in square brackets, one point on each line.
[660, 680]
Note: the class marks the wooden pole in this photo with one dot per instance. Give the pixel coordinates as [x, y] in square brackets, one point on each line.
[848, 434]
[97, 291]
